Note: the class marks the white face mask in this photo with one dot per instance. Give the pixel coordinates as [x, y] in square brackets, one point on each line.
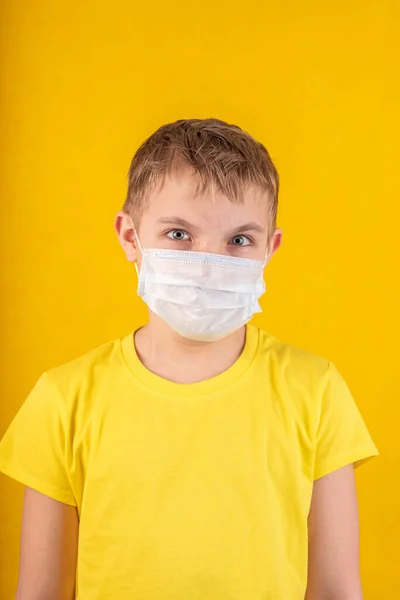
[202, 296]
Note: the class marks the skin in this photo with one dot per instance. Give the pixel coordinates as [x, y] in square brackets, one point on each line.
[334, 539]
[212, 222]
[49, 543]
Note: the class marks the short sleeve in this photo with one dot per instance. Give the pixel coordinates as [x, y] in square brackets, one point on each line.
[34, 448]
[342, 437]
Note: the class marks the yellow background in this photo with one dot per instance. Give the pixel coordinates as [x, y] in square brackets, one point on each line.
[82, 84]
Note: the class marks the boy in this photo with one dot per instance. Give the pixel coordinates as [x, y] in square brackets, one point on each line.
[197, 458]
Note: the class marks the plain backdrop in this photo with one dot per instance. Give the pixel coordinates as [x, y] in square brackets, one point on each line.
[83, 83]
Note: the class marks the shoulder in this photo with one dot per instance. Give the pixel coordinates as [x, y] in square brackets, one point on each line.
[85, 373]
[296, 378]
[305, 381]
[292, 364]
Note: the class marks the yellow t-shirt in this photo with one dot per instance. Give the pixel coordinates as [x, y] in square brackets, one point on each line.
[188, 492]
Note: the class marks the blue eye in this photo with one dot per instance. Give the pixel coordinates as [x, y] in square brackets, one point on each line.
[178, 235]
[240, 240]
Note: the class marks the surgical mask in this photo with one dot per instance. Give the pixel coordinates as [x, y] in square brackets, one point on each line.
[201, 296]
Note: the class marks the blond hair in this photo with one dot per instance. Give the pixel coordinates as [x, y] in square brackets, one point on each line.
[223, 156]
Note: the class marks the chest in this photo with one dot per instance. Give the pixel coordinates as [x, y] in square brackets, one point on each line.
[243, 442]
[217, 490]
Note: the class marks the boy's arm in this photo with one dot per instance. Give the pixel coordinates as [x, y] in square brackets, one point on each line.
[333, 570]
[49, 543]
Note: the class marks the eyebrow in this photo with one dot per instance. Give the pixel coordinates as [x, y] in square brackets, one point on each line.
[251, 226]
[176, 221]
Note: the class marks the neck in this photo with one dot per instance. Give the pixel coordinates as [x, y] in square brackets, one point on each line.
[168, 355]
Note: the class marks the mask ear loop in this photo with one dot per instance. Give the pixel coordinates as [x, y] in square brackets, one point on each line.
[139, 244]
[266, 257]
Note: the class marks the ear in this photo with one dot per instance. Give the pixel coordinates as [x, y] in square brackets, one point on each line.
[126, 235]
[276, 242]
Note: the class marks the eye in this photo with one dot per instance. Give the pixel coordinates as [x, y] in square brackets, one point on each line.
[240, 240]
[178, 234]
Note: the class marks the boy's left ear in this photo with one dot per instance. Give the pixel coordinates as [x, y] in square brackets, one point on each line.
[126, 235]
[276, 242]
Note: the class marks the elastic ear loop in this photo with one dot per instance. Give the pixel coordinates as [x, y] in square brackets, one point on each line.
[139, 244]
[266, 258]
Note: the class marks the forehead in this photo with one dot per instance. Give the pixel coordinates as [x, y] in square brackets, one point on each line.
[178, 197]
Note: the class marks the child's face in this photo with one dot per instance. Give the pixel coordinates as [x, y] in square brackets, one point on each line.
[174, 218]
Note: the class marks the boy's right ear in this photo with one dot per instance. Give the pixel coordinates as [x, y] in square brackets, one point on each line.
[127, 237]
